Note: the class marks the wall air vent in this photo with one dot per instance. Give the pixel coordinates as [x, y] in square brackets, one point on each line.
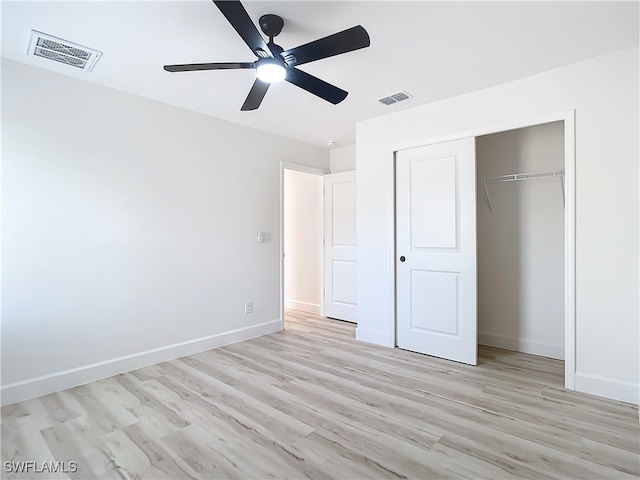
[62, 51]
[395, 98]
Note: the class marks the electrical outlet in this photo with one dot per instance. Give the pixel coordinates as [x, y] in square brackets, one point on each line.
[248, 307]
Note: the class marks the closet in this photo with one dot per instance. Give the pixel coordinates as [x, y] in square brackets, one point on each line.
[520, 235]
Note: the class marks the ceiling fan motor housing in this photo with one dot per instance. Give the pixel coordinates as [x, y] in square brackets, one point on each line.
[271, 25]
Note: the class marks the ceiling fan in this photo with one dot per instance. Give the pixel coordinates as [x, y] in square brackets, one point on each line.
[274, 63]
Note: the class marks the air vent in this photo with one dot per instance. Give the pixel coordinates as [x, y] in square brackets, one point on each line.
[62, 51]
[395, 98]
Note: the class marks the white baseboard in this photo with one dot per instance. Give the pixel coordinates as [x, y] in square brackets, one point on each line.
[54, 382]
[302, 306]
[522, 345]
[608, 387]
[374, 336]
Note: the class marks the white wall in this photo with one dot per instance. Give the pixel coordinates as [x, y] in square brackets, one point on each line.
[129, 230]
[303, 240]
[604, 94]
[521, 242]
[342, 159]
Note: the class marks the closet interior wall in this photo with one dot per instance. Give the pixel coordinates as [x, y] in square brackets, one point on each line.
[521, 242]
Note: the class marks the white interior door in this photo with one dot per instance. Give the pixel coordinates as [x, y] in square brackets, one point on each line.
[340, 292]
[436, 250]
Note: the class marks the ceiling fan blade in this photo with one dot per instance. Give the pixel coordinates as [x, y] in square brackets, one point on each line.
[240, 20]
[189, 67]
[314, 85]
[256, 94]
[342, 42]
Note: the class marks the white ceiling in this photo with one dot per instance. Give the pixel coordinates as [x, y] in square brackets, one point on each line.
[434, 50]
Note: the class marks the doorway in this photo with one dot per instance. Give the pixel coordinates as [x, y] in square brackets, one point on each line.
[302, 240]
[563, 284]
[520, 234]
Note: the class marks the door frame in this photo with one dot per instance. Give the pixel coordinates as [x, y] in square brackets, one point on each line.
[568, 117]
[305, 169]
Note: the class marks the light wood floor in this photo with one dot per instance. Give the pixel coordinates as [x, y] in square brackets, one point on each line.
[312, 402]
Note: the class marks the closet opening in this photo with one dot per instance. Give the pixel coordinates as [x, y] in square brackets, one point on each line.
[521, 239]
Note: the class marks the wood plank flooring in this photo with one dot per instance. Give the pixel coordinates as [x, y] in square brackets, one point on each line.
[311, 402]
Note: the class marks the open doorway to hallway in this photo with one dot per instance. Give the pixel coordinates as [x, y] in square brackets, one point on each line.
[303, 234]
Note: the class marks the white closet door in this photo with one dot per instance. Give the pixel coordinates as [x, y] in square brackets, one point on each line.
[340, 292]
[436, 250]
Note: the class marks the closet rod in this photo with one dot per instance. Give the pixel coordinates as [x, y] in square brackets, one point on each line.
[522, 176]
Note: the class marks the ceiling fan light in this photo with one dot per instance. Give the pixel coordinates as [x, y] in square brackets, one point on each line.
[271, 72]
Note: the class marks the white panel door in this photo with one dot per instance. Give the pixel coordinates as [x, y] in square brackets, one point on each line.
[436, 250]
[340, 246]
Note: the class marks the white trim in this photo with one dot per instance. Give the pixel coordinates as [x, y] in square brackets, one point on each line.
[300, 168]
[522, 345]
[570, 251]
[391, 214]
[568, 117]
[302, 306]
[608, 388]
[55, 382]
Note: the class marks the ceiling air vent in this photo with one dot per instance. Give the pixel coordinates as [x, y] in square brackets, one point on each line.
[62, 51]
[395, 98]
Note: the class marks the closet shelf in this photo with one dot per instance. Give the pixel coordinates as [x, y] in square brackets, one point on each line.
[515, 177]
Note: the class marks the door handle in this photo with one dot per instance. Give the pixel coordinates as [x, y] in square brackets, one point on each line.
[402, 259]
